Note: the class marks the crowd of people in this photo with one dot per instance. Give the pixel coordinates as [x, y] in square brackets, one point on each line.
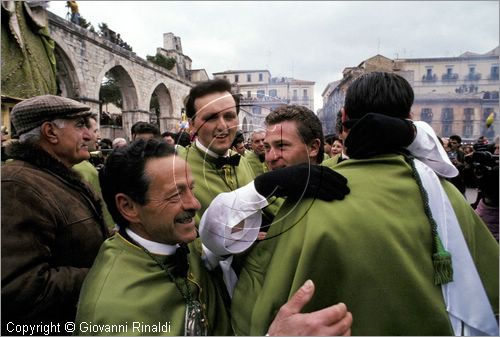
[289, 232]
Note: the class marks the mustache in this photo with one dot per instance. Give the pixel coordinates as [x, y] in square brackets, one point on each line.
[185, 216]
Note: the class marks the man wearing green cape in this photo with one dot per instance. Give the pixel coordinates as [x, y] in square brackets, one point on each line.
[404, 250]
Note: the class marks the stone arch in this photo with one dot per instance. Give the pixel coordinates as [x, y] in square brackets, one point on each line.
[68, 76]
[167, 119]
[130, 99]
[125, 82]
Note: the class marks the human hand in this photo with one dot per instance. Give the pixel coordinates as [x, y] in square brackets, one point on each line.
[331, 321]
[302, 181]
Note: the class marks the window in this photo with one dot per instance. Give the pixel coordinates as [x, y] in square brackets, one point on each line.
[261, 93]
[249, 94]
[449, 75]
[273, 93]
[295, 95]
[468, 114]
[426, 115]
[467, 130]
[236, 78]
[256, 110]
[447, 122]
[446, 129]
[261, 77]
[429, 76]
[494, 72]
[468, 118]
[447, 115]
[472, 75]
[249, 77]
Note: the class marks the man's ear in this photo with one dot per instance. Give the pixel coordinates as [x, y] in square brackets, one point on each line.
[49, 132]
[344, 118]
[314, 148]
[127, 208]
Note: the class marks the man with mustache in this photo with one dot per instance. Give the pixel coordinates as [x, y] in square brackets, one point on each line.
[52, 225]
[149, 278]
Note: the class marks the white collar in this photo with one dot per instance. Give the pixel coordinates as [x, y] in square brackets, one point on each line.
[208, 151]
[151, 246]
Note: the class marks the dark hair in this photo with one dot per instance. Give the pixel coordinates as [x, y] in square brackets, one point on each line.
[338, 124]
[384, 93]
[145, 127]
[239, 138]
[183, 139]
[309, 125]
[123, 172]
[205, 88]
[457, 138]
[329, 139]
[106, 143]
[168, 133]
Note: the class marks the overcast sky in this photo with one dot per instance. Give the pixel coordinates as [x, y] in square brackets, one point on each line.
[306, 40]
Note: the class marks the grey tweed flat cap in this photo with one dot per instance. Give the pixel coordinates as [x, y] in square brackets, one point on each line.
[33, 112]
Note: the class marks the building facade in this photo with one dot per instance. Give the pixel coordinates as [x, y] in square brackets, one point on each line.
[455, 95]
[260, 93]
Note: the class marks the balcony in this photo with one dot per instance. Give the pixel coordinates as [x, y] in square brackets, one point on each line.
[493, 77]
[473, 77]
[449, 77]
[429, 78]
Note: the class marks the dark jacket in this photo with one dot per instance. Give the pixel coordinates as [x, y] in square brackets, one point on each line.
[52, 229]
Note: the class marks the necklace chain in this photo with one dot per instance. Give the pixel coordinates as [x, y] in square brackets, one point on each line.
[187, 297]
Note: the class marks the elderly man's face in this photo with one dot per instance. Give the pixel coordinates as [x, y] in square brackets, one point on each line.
[258, 143]
[168, 215]
[216, 121]
[71, 142]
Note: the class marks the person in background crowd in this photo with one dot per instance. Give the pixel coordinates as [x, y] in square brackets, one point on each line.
[456, 156]
[89, 172]
[337, 147]
[328, 146]
[5, 141]
[182, 138]
[169, 137]
[144, 130]
[239, 143]
[52, 224]
[119, 142]
[75, 14]
[256, 157]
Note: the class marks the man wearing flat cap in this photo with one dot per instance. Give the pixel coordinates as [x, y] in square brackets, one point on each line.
[52, 224]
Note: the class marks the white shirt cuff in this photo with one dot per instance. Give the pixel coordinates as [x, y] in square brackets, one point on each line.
[219, 228]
